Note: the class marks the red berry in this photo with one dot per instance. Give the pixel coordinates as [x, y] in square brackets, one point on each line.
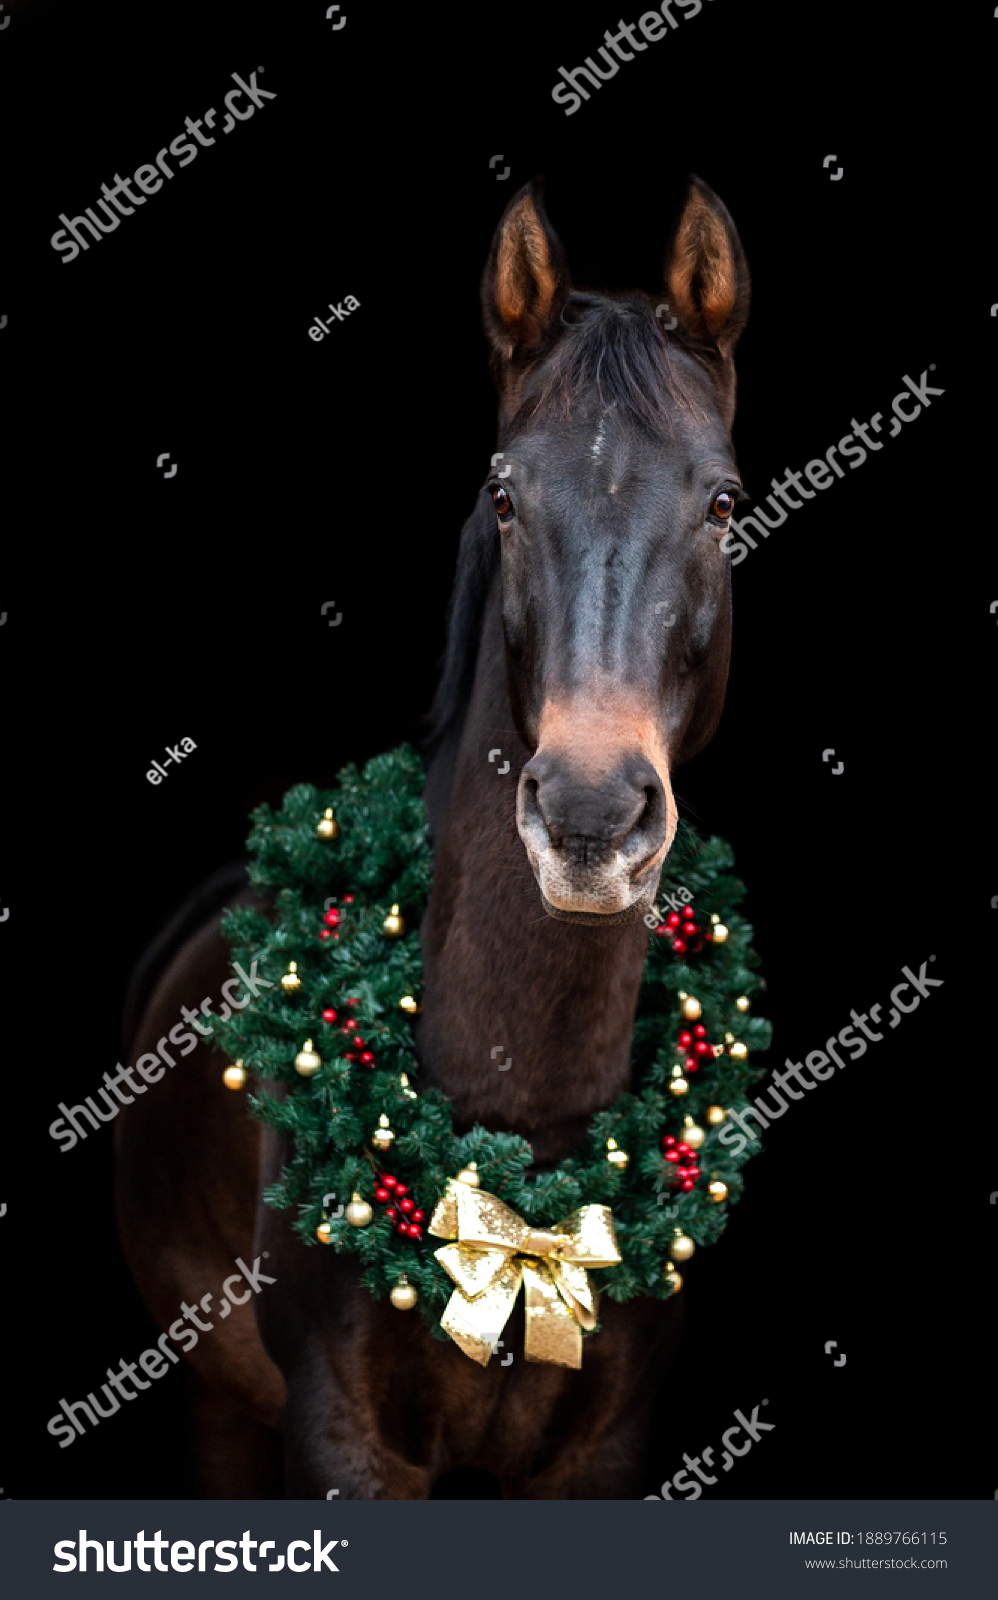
[332, 918]
[417, 1216]
[669, 1139]
[683, 1148]
[679, 945]
[329, 1015]
[360, 1043]
[689, 930]
[366, 1058]
[351, 1055]
[325, 934]
[687, 1184]
[415, 1232]
[694, 1173]
[691, 1063]
[704, 1049]
[407, 1205]
[700, 1032]
[662, 930]
[403, 1228]
[673, 919]
[685, 1039]
[392, 1214]
[353, 1002]
[401, 1189]
[381, 1195]
[348, 899]
[672, 1155]
[388, 1181]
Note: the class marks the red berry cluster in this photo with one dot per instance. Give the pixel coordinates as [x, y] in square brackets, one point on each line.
[404, 1215]
[684, 1160]
[685, 932]
[694, 1047]
[358, 1047]
[332, 919]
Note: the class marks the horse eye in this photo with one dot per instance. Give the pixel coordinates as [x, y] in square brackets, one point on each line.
[502, 502]
[724, 504]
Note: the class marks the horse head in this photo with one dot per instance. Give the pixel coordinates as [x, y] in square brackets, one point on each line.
[616, 483]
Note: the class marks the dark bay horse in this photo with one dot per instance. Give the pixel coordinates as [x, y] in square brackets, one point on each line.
[589, 642]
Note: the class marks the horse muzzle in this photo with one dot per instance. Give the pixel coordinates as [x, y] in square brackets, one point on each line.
[596, 848]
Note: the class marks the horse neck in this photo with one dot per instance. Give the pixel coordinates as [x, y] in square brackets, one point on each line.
[503, 981]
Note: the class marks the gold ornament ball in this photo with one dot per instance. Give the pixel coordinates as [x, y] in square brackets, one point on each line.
[693, 1135]
[743, 1002]
[328, 828]
[682, 1246]
[393, 925]
[616, 1156]
[410, 1005]
[469, 1175]
[673, 1278]
[291, 982]
[234, 1077]
[718, 1191]
[306, 1061]
[716, 1115]
[409, 1093]
[403, 1295]
[358, 1213]
[678, 1086]
[719, 932]
[691, 1008]
[738, 1051]
[324, 1233]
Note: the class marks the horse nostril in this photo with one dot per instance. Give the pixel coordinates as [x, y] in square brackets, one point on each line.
[646, 822]
[649, 808]
[645, 836]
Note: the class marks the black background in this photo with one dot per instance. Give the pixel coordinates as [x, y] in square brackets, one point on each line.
[141, 610]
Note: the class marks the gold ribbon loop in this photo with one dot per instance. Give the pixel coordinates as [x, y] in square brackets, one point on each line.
[496, 1251]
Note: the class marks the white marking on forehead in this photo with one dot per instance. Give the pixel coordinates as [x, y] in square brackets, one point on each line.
[596, 449]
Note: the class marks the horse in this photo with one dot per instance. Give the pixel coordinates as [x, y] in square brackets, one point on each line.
[588, 644]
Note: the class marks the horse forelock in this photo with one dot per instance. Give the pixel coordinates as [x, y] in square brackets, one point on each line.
[615, 353]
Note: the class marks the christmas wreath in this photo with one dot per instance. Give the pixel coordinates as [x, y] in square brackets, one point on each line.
[339, 973]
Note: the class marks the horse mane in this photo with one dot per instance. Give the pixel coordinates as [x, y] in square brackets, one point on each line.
[477, 562]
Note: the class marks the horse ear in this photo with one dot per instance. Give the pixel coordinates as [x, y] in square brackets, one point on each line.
[526, 280]
[706, 274]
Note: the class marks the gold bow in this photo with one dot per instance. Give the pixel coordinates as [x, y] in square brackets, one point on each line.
[496, 1251]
